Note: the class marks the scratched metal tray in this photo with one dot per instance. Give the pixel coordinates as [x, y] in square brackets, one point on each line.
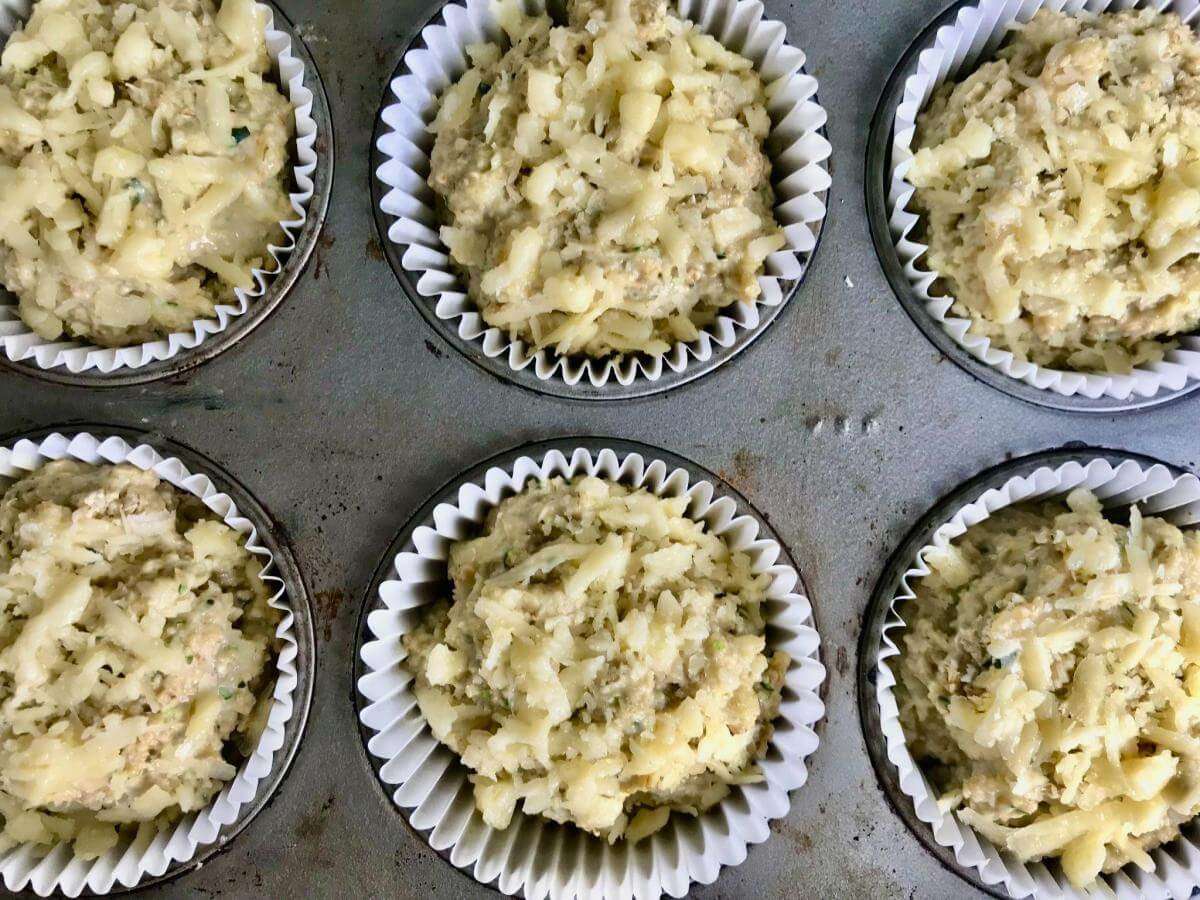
[344, 411]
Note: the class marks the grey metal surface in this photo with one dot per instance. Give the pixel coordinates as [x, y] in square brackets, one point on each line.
[344, 411]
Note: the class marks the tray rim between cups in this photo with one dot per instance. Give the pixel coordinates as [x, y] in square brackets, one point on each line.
[274, 538]
[877, 168]
[279, 284]
[526, 378]
[880, 602]
[447, 492]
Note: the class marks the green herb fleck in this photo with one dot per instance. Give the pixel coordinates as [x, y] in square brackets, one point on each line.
[182, 588]
[190, 657]
[139, 190]
[226, 693]
[240, 134]
[718, 646]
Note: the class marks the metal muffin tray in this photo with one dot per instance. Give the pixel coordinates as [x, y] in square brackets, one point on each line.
[344, 411]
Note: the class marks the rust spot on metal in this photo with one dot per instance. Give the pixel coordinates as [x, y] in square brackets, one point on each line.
[324, 244]
[328, 604]
[312, 825]
[802, 840]
[842, 661]
[374, 249]
[743, 472]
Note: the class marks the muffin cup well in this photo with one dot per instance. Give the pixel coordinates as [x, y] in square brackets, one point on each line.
[153, 855]
[1116, 479]
[950, 53]
[535, 856]
[77, 362]
[406, 213]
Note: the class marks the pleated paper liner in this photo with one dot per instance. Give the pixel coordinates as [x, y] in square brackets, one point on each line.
[151, 852]
[1159, 492]
[797, 148]
[20, 344]
[535, 856]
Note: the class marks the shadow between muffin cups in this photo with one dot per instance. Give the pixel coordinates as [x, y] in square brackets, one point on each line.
[1118, 477]
[950, 48]
[408, 223]
[73, 362]
[534, 856]
[152, 857]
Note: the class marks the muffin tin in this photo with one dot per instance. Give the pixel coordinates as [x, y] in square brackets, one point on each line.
[346, 410]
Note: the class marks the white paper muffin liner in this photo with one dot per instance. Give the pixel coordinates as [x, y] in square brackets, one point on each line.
[44, 869]
[955, 52]
[799, 156]
[535, 855]
[1177, 863]
[20, 343]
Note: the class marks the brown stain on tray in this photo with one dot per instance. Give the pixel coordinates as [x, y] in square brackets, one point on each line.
[374, 249]
[842, 662]
[792, 833]
[312, 824]
[324, 244]
[742, 472]
[328, 604]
